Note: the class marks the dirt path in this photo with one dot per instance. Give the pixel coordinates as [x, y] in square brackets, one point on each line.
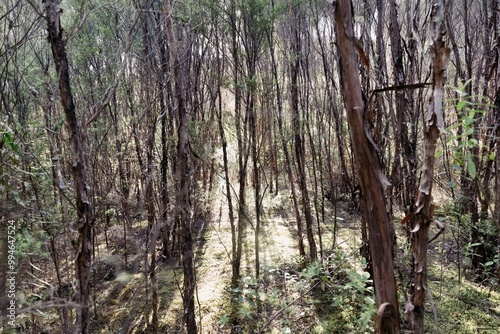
[213, 259]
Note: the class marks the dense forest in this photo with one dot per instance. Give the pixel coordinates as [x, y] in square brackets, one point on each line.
[250, 166]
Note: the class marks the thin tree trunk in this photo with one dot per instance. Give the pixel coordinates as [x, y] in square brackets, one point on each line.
[57, 183]
[164, 195]
[433, 125]
[228, 185]
[124, 181]
[298, 137]
[317, 192]
[371, 178]
[183, 206]
[496, 109]
[255, 165]
[288, 162]
[166, 111]
[83, 257]
[235, 274]
[151, 216]
[401, 173]
[484, 190]
[241, 137]
[153, 236]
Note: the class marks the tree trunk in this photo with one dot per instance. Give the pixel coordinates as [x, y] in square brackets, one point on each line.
[241, 137]
[57, 183]
[297, 129]
[124, 180]
[255, 165]
[183, 206]
[4, 268]
[316, 155]
[371, 178]
[402, 155]
[496, 109]
[235, 274]
[424, 208]
[165, 96]
[83, 258]
[286, 153]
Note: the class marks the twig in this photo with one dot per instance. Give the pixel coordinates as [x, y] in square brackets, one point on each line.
[56, 303]
[434, 312]
[99, 108]
[275, 315]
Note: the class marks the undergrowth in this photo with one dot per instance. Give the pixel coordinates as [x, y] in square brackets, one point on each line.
[335, 296]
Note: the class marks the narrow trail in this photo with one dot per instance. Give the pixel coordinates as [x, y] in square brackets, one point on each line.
[213, 259]
[213, 264]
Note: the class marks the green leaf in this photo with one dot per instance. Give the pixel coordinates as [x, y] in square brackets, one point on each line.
[224, 319]
[7, 139]
[471, 167]
[17, 198]
[438, 154]
[472, 142]
[492, 156]
[461, 105]
[468, 120]
[468, 132]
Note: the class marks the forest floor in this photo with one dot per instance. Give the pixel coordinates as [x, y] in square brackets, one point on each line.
[287, 298]
[328, 297]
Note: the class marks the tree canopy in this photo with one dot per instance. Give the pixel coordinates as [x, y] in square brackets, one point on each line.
[321, 166]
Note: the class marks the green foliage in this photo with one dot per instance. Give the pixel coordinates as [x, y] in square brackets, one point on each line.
[355, 299]
[31, 241]
[24, 164]
[246, 297]
[256, 13]
[464, 142]
[485, 234]
[462, 308]
[340, 288]
[8, 140]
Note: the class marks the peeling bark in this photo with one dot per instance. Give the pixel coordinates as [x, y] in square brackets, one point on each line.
[84, 255]
[372, 180]
[433, 125]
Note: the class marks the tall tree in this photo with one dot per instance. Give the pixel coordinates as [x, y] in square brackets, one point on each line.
[241, 136]
[183, 204]
[372, 180]
[297, 19]
[254, 25]
[433, 125]
[284, 147]
[403, 173]
[496, 111]
[84, 247]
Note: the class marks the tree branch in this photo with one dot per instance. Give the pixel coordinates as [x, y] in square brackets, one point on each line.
[99, 108]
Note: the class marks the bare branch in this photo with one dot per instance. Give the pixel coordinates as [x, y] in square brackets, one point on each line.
[99, 108]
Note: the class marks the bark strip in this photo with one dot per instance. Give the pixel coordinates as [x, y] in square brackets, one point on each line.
[84, 255]
[433, 125]
[371, 178]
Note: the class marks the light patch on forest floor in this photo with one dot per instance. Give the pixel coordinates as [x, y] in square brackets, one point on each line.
[278, 246]
[461, 308]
